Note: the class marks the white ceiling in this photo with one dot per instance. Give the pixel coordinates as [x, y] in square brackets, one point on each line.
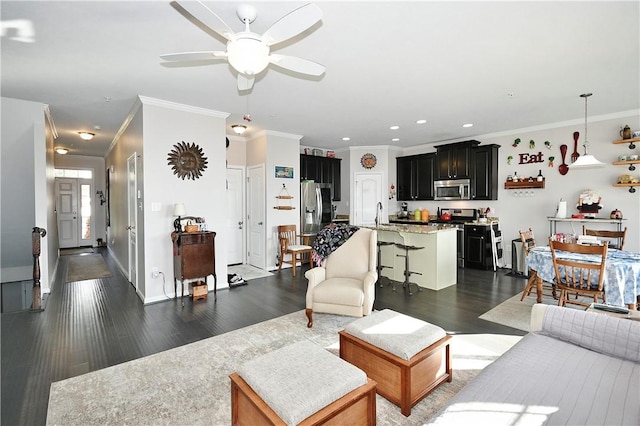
[387, 63]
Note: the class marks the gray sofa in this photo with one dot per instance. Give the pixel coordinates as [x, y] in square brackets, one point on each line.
[573, 368]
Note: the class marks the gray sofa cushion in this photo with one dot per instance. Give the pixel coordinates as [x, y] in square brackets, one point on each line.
[608, 335]
[543, 380]
[300, 379]
[396, 333]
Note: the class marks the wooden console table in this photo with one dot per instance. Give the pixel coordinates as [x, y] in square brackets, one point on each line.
[194, 256]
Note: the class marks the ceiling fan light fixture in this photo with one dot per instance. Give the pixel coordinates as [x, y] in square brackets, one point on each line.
[248, 54]
[238, 128]
[587, 160]
[62, 151]
[87, 136]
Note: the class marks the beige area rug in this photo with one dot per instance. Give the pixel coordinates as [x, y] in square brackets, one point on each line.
[248, 272]
[86, 267]
[72, 251]
[516, 314]
[190, 385]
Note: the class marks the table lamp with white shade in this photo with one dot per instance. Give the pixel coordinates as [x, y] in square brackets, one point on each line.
[179, 211]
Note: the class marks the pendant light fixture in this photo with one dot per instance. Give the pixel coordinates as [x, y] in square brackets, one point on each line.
[587, 160]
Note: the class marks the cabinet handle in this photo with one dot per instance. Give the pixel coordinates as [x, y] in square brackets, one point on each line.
[260, 223]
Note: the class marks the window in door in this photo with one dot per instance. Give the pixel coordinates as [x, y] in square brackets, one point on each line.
[85, 211]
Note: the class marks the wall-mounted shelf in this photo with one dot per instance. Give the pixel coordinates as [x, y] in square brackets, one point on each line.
[629, 141]
[630, 163]
[524, 185]
[284, 195]
[630, 185]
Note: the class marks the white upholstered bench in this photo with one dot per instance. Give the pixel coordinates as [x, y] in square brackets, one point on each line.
[301, 384]
[407, 358]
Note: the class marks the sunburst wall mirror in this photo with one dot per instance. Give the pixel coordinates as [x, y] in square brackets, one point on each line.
[187, 160]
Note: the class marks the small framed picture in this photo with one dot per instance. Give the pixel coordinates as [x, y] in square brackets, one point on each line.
[284, 172]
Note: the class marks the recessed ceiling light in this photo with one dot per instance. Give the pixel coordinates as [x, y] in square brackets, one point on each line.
[62, 151]
[395, 139]
[87, 136]
[468, 125]
[346, 138]
[394, 127]
[421, 121]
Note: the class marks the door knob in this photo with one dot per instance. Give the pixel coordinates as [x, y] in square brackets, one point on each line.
[240, 225]
[128, 228]
[259, 223]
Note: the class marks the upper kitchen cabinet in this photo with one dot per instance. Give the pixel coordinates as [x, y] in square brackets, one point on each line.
[454, 160]
[484, 172]
[415, 175]
[322, 170]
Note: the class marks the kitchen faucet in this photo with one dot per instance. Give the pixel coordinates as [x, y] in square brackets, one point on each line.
[378, 210]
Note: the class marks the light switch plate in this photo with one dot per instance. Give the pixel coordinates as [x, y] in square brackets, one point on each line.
[155, 207]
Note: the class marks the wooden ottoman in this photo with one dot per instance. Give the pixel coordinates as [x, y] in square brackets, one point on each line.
[406, 357]
[301, 384]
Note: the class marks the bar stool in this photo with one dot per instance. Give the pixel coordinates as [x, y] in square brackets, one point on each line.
[380, 266]
[407, 273]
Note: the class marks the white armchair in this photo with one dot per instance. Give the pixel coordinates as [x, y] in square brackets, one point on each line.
[345, 285]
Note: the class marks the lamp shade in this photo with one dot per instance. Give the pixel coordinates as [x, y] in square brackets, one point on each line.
[178, 209]
[586, 161]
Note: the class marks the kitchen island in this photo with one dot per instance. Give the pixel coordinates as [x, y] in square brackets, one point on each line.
[436, 262]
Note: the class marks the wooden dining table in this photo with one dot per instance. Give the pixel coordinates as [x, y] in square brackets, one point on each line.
[621, 280]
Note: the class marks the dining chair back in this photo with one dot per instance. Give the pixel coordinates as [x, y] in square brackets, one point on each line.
[618, 236]
[581, 275]
[290, 246]
[529, 242]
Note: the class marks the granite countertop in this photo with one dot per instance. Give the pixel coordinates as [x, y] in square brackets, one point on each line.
[414, 229]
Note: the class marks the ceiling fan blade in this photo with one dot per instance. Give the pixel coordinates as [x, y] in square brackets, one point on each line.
[194, 56]
[292, 24]
[245, 82]
[293, 63]
[208, 17]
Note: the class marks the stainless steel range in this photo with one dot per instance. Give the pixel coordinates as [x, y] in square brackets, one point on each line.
[458, 218]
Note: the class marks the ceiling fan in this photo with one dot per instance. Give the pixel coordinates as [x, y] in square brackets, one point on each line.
[248, 52]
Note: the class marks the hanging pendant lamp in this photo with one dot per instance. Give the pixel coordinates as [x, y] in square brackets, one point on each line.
[586, 160]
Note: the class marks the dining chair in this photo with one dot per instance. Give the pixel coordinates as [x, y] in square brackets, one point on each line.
[618, 235]
[577, 275]
[529, 242]
[290, 246]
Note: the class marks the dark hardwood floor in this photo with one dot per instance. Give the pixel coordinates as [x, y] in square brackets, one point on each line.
[94, 324]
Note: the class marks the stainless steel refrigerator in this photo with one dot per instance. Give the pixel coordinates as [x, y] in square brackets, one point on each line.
[315, 206]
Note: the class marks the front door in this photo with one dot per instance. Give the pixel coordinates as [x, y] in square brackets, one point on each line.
[132, 206]
[74, 210]
[235, 216]
[255, 219]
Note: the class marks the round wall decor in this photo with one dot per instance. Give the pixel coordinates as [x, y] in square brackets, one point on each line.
[368, 161]
[187, 160]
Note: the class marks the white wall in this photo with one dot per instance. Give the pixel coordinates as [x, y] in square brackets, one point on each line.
[166, 124]
[282, 150]
[26, 161]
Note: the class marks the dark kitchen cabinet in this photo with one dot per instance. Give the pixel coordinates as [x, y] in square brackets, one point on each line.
[478, 253]
[454, 160]
[322, 170]
[484, 172]
[415, 174]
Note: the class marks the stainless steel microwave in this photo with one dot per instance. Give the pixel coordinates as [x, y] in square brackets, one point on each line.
[453, 189]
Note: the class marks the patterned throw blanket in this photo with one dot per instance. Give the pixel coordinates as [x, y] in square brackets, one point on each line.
[329, 239]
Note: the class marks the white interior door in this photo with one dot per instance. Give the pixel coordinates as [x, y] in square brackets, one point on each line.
[368, 193]
[256, 217]
[132, 207]
[235, 218]
[67, 211]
